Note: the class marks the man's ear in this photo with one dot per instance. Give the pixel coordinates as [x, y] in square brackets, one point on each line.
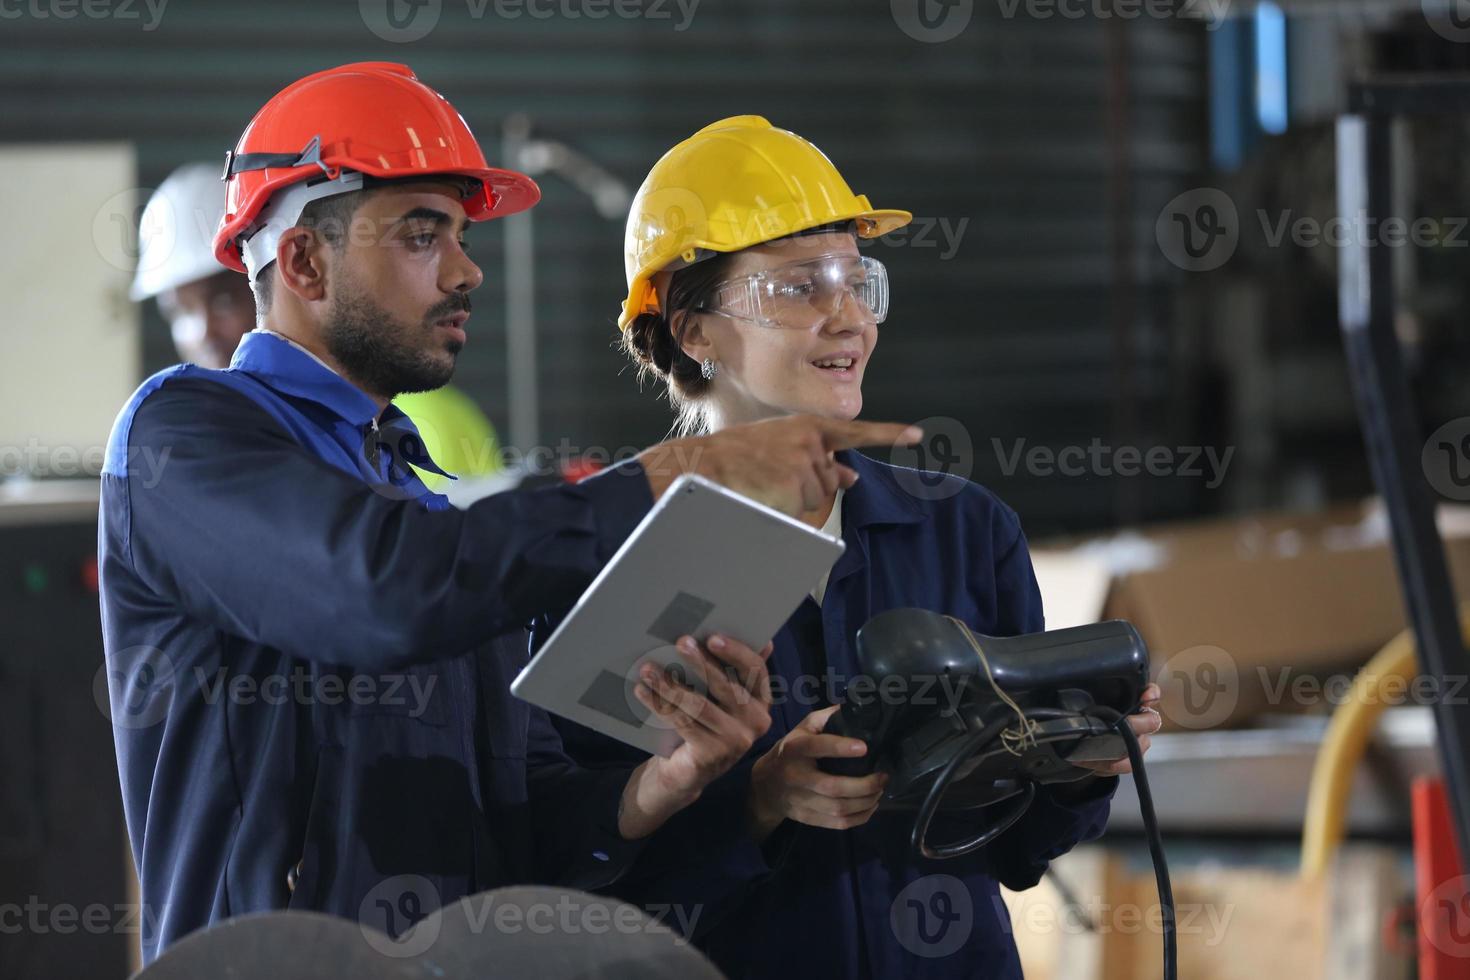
[299, 263]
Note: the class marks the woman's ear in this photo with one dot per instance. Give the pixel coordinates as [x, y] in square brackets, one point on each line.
[694, 342]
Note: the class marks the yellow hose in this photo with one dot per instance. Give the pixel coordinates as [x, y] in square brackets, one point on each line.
[1352, 725]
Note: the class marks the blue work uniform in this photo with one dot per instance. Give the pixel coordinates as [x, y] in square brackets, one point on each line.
[308, 656]
[818, 903]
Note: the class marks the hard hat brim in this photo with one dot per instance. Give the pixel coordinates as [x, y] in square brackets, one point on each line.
[643, 298]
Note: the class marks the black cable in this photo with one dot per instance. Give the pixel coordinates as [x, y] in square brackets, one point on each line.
[1155, 848]
[973, 744]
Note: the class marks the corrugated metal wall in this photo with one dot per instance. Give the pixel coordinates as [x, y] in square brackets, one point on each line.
[998, 140]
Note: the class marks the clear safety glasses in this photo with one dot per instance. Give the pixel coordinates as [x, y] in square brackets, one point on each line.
[802, 294]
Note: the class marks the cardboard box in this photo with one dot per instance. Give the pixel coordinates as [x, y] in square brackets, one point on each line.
[1233, 923]
[1242, 615]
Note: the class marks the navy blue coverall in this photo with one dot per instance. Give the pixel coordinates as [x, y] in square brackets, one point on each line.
[308, 656]
[817, 903]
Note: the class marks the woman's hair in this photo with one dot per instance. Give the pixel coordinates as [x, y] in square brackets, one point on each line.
[660, 354]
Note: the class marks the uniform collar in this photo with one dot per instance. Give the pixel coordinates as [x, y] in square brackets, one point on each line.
[293, 370]
[878, 497]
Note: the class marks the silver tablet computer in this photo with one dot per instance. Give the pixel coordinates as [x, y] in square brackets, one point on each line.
[705, 560]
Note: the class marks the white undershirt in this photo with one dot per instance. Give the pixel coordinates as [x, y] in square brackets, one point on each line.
[833, 527]
[281, 336]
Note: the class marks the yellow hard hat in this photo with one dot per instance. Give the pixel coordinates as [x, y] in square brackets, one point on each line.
[735, 183]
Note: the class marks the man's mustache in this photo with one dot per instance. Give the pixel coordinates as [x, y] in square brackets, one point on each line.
[458, 303]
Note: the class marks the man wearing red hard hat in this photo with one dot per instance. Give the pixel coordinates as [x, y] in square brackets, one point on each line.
[307, 650]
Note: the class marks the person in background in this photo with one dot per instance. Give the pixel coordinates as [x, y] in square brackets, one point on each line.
[209, 308]
[749, 301]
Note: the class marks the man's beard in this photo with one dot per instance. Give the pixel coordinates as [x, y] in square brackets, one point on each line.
[379, 352]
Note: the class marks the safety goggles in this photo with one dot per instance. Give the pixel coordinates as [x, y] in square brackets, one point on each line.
[802, 294]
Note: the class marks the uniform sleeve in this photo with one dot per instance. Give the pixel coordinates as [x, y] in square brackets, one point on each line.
[233, 520]
[574, 813]
[703, 857]
[1063, 815]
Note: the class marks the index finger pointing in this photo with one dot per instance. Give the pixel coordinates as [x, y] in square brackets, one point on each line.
[837, 434]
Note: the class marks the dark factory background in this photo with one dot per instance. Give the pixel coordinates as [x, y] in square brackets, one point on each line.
[1032, 303]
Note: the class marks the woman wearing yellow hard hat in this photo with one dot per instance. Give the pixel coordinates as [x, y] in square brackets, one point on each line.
[749, 298]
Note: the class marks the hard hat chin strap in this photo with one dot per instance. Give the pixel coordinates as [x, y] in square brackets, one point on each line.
[283, 212]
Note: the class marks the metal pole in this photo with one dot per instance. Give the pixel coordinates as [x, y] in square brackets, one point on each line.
[522, 392]
[1393, 438]
[1123, 289]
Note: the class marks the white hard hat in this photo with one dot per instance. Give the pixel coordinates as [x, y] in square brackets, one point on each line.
[176, 234]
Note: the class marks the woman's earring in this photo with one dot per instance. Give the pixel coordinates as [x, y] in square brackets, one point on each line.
[709, 369]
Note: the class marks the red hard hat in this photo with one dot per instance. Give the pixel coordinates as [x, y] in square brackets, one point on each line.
[372, 117]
